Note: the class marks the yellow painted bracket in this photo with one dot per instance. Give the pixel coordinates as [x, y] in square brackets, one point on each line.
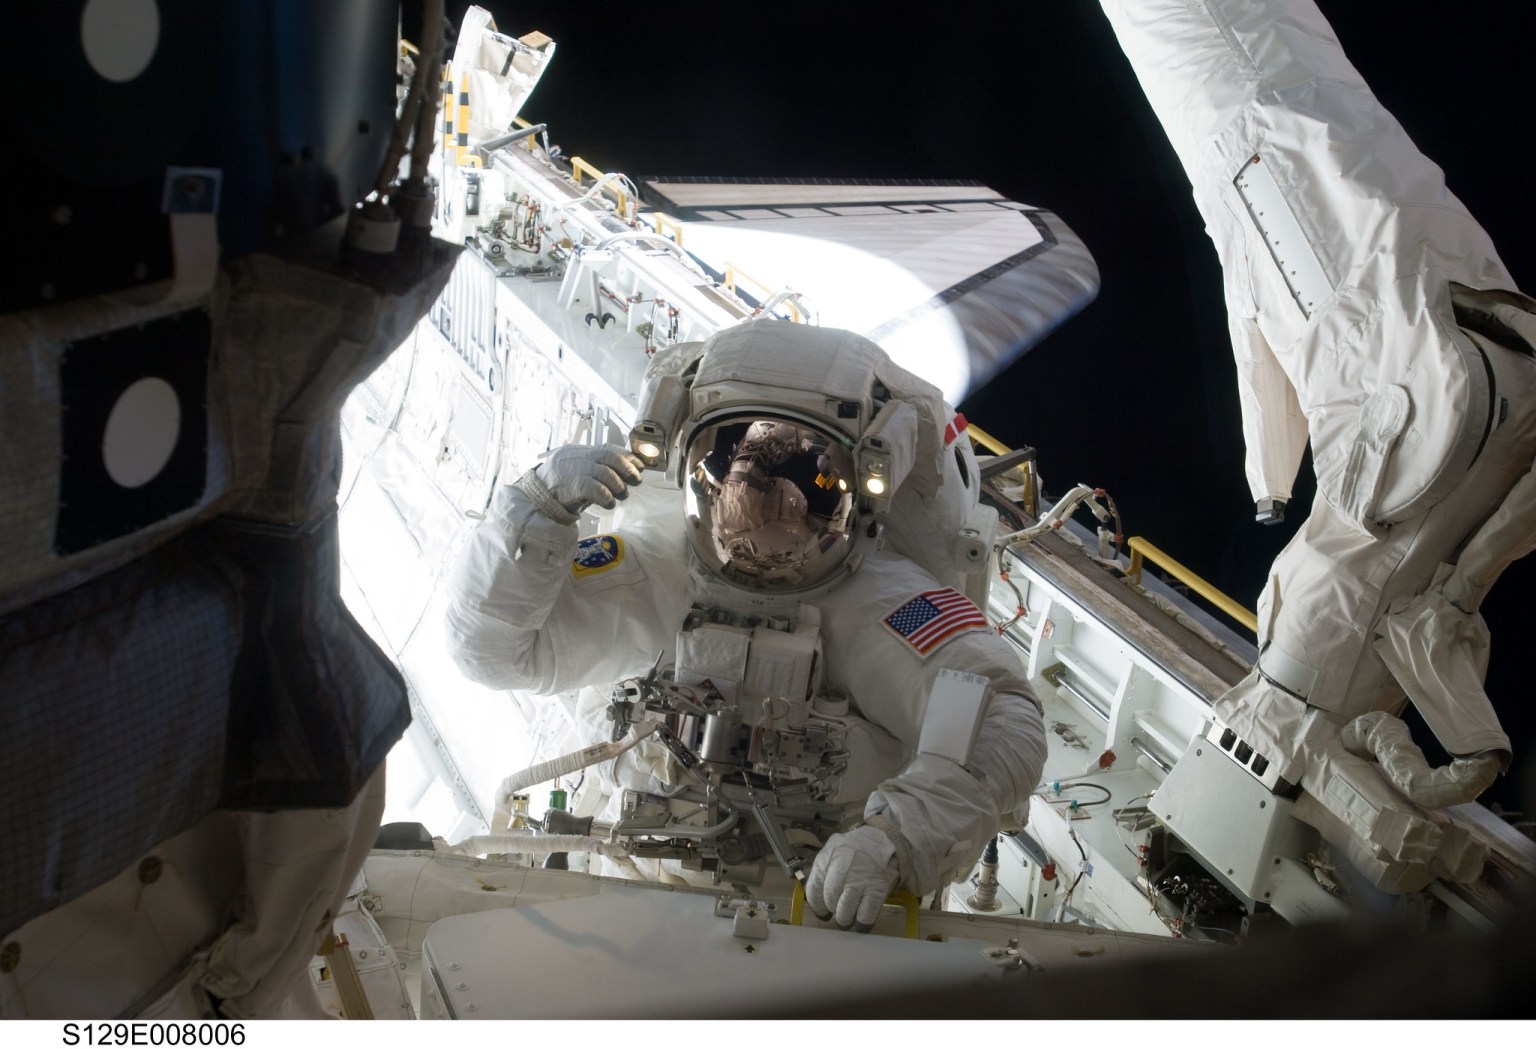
[901, 897]
[1143, 551]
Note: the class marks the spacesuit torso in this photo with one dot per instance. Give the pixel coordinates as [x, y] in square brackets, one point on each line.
[828, 688]
[733, 614]
[535, 608]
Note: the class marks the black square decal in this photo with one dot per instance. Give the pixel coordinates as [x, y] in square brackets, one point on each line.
[134, 428]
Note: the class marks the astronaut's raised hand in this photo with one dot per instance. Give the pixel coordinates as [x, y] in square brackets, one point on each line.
[578, 474]
[853, 874]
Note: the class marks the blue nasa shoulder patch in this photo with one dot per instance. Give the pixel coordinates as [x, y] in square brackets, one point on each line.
[596, 554]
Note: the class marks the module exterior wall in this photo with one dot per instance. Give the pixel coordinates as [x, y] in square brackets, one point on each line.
[1132, 695]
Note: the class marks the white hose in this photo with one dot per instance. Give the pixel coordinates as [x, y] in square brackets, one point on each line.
[685, 830]
[529, 844]
[607, 179]
[665, 243]
[561, 766]
[1052, 518]
[812, 315]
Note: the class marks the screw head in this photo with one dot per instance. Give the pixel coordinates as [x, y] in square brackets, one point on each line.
[149, 870]
[10, 957]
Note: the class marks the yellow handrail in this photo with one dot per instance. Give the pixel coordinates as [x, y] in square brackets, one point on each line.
[996, 447]
[1141, 551]
[665, 223]
[523, 122]
[986, 440]
[901, 897]
[580, 167]
[734, 273]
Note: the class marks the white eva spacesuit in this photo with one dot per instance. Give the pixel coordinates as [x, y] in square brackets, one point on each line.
[1370, 315]
[814, 652]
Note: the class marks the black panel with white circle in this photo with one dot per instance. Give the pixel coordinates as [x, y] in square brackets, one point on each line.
[134, 430]
[291, 101]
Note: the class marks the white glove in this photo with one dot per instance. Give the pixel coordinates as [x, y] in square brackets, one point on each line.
[851, 878]
[578, 474]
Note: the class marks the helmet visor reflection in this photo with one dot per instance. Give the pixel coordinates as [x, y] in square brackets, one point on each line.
[771, 501]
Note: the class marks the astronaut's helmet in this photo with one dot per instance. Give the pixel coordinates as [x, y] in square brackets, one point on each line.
[769, 500]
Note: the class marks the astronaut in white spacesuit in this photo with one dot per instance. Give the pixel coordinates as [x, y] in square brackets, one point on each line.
[805, 595]
[1370, 315]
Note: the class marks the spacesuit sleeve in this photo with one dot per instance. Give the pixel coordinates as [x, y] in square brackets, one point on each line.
[941, 814]
[503, 587]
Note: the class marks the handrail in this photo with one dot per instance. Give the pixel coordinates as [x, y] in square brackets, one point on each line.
[665, 223]
[996, 447]
[734, 273]
[986, 440]
[1141, 551]
[524, 122]
[902, 898]
[580, 167]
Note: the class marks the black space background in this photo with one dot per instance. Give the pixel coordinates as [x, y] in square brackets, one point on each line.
[1137, 394]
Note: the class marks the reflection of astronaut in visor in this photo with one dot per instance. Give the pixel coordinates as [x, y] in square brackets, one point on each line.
[776, 500]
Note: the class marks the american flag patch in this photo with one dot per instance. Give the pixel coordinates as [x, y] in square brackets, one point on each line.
[933, 617]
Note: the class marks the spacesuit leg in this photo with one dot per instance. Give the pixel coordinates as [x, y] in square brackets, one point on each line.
[299, 866]
[1332, 652]
[1344, 255]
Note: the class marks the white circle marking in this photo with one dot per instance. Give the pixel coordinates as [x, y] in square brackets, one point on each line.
[119, 37]
[141, 432]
